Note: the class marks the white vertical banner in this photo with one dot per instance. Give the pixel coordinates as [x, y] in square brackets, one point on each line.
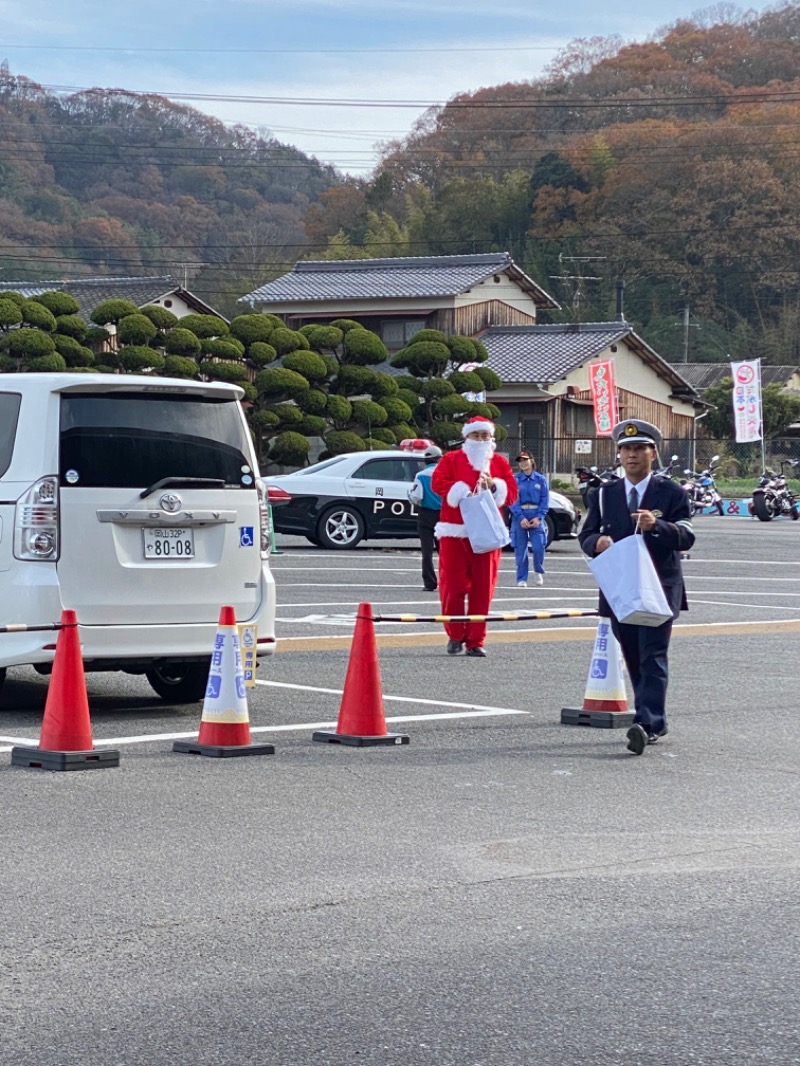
[747, 400]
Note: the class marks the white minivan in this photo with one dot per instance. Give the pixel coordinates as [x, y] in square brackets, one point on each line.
[136, 502]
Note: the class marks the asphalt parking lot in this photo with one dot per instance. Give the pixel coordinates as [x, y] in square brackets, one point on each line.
[503, 891]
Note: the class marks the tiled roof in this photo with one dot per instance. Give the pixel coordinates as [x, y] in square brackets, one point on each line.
[543, 354]
[367, 279]
[703, 375]
[89, 292]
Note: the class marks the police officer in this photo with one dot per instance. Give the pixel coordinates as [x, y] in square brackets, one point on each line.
[528, 519]
[428, 506]
[661, 509]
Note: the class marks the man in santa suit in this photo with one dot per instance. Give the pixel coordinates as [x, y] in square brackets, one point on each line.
[466, 579]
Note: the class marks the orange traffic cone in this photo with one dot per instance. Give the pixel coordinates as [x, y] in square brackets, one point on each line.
[224, 724]
[65, 742]
[605, 703]
[361, 719]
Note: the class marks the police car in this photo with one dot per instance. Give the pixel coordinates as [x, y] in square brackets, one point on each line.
[364, 495]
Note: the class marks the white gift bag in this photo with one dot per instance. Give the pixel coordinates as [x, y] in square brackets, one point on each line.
[627, 577]
[485, 526]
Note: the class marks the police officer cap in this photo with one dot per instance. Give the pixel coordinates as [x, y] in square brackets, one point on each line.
[432, 452]
[635, 431]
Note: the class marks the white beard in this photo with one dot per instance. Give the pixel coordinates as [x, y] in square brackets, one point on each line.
[479, 453]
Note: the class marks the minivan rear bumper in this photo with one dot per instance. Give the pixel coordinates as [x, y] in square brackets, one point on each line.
[129, 645]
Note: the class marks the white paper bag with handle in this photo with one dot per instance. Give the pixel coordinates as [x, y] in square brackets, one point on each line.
[485, 526]
[627, 577]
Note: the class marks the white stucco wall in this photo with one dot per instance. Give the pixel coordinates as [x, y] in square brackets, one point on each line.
[503, 289]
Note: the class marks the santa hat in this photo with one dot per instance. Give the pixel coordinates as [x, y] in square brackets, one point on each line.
[478, 424]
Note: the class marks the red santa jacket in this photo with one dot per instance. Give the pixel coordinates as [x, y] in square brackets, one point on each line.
[454, 477]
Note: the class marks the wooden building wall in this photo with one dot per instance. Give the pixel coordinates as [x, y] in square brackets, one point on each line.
[473, 318]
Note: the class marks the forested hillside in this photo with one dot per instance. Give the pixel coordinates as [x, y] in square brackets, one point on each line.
[673, 165]
[114, 183]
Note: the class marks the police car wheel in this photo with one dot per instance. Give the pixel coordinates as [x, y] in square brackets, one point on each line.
[340, 527]
[550, 526]
[180, 682]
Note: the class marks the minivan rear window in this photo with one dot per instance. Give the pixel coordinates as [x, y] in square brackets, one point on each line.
[10, 403]
[131, 440]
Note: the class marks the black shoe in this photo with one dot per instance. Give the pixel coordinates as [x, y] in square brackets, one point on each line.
[653, 738]
[637, 739]
[476, 653]
[454, 647]
[430, 588]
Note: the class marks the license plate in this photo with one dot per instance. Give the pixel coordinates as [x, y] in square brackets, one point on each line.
[168, 542]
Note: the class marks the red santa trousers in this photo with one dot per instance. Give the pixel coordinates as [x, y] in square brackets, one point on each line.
[466, 580]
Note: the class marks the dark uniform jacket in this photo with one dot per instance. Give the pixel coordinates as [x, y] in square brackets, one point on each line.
[672, 533]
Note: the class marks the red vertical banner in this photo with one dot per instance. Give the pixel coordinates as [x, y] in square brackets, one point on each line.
[604, 396]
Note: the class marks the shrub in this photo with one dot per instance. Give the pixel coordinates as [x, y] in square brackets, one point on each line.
[289, 449]
[491, 381]
[461, 348]
[251, 328]
[113, 311]
[181, 342]
[232, 372]
[160, 316]
[48, 364]
[278, 381]
[464, 381]
[59, 303]
[368, 413]
[285, 340]
[364, 348]
[140, 357]
[10, 313]
[135, 329]
[30, 344]
[227, 348]
[205, 326]
[323, 336]
[424, 335]
[179, 366]
[259, 353]
[396, 409]
[339, 409]
[345, 324]
[313, 402]
[36, 314]
[340, 441]
[309, 364]
[72, 326]
[436, 388]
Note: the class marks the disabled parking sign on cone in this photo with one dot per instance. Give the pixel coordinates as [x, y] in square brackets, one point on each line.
[605, 701]
[225, 722]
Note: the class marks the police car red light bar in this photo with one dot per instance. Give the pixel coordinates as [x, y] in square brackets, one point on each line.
[415, 444]
[277, 495]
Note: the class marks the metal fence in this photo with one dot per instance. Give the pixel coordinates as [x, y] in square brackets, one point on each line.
[558, 456]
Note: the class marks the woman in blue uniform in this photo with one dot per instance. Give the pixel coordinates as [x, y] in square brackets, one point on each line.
[527, 519]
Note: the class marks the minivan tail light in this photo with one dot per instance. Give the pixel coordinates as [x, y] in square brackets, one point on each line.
[36, 525]
[265, 522]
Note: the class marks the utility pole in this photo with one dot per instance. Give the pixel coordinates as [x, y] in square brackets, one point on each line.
[686, 334]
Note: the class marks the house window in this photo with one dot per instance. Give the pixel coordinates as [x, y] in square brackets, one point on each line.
[397, 332]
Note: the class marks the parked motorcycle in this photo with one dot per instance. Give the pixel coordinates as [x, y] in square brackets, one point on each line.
[701, 488]
[671, 470]
[589, 477]
[773, 496]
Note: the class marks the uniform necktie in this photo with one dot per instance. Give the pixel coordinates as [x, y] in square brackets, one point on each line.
[633, 500]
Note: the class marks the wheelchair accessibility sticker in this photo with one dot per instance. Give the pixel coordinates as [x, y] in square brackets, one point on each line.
[246, 537]
[599, 668]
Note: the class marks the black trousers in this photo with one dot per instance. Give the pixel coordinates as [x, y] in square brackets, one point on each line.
[426, 521]
[644, 649]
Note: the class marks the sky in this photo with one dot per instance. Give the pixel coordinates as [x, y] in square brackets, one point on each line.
[285, 69]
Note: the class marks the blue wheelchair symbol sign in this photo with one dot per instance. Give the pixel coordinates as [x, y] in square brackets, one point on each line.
[246, 538]
[599, 668]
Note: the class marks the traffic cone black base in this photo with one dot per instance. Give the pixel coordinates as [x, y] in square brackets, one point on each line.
[39, 759]
[221, 751]
[599, 719]
[330, 736]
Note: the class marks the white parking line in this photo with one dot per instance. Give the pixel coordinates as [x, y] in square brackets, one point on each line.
[7, 743]
[399, 699]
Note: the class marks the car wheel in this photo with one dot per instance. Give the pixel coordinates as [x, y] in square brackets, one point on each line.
[180, 682]
[550, 531]
[341, 527]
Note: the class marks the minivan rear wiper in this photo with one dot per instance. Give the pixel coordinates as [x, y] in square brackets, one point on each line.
[184, 483]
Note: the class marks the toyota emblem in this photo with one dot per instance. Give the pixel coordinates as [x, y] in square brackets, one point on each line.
[171, 503]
